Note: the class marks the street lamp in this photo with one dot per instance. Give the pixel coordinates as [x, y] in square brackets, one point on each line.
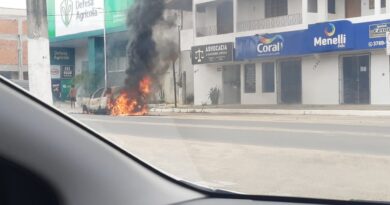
[104, 47]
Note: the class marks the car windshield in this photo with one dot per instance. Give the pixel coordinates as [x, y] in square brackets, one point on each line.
[283, 98]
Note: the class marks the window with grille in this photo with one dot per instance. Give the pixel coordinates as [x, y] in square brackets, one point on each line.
[274, 8]
[312, 6]
[372, 4]
[332, 6]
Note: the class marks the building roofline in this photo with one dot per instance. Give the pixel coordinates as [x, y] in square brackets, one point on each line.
[12, 12]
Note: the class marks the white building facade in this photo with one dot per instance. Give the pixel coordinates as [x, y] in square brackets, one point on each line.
[290, 51]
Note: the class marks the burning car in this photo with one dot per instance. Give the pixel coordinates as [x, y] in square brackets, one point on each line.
[119, 101]
[100, 101]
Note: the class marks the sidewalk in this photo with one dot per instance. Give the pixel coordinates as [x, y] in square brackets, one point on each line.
[336, 110]
[339, 110]
[65, 107]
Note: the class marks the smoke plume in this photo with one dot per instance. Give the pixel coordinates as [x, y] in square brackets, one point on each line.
[141, 49]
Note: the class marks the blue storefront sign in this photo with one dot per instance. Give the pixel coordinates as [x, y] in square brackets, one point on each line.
[329, 36]
[318, 38]
[268, 45]
[371, 35]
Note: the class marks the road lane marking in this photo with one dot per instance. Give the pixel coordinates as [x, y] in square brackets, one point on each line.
[245, 128]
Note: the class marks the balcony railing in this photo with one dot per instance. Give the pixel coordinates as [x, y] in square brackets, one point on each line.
[280, 21]
[206, 31]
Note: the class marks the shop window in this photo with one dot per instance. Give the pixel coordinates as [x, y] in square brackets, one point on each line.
[274, 8]
[312, 6]
[268, 77]
[250, 78]
[332, 6]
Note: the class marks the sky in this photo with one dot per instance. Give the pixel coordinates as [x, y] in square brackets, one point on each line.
[21, 4]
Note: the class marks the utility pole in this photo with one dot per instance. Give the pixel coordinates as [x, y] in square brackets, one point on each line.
[174, 82]
[38, 51]
[105, 48]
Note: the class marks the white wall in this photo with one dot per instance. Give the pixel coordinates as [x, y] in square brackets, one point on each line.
[294, 6]
[259, 97]
[250, 10]
[81, 55]
[340, 10]
[380, 78]
[187, 20]
[320, 85]
[366, 8]
[186, 39]
[206, 77]
[366, 11]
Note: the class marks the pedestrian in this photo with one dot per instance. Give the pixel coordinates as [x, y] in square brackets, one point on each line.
[72, 95]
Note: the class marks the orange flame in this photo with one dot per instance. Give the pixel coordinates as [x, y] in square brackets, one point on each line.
[133, 102]
[144, 85]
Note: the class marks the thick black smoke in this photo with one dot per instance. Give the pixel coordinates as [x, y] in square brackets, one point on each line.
[141, 48]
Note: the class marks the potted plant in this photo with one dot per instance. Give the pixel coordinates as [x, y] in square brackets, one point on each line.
[214, 95]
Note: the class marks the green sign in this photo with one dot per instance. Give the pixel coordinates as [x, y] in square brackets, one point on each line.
[51, 18]
[116, 13]
[66, 85]
[66, 11]
[63, 12]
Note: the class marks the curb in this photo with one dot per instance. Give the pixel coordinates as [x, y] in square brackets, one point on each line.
[361, 113]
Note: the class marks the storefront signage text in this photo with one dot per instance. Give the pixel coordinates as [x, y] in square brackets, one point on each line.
[62, 56]
[55, 72]
[212, 53]
[85, 9]
[330, 36]
[67, 72]
[379, 30]
[270, 45]
[76, 16]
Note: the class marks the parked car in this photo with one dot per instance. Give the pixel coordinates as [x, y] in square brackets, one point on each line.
[97, 103]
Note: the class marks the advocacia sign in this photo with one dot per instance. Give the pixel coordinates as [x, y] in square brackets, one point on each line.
[213, 53]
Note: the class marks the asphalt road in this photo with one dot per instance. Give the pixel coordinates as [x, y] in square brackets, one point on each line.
[362, 135]
[310, 156]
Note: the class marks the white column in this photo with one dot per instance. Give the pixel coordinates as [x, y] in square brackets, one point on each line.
[387, 6]
[235, 15]
[377, 7]
[38, 51]
[194, 23]
[322, 10]
[304, 12]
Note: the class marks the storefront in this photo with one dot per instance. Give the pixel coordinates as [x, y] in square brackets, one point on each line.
[329, 63]
[88, 28]
[62, 71]
[221, 74]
